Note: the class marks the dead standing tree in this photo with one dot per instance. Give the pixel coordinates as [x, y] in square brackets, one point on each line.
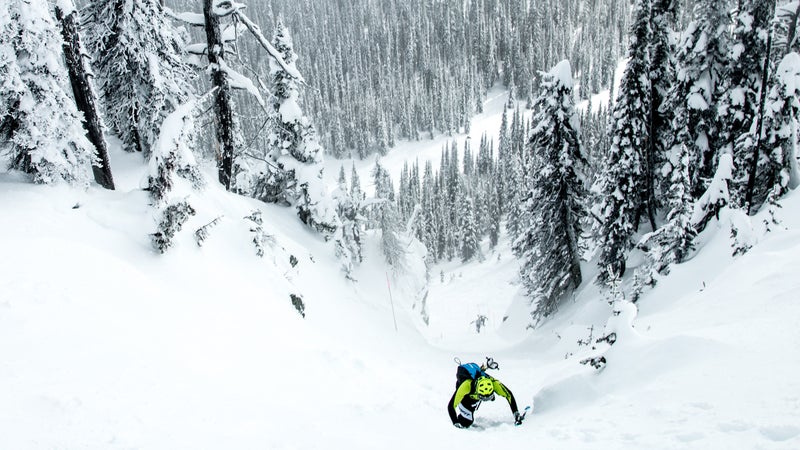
[222, 75]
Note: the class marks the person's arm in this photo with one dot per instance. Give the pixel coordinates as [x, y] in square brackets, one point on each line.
[505, 392]
[458, 395]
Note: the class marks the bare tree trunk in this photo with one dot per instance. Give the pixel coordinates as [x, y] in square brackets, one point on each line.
[84, 95]
[650, 157]
[751, 179]
[222, 104]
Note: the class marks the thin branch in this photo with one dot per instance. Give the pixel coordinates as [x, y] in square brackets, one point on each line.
[256, 31]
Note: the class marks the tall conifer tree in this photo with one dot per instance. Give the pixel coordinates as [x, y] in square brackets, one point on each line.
[739, 103]
[294, 146]
[555, 200]
[622, 185]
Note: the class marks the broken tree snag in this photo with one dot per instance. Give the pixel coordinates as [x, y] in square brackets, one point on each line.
[223, 108]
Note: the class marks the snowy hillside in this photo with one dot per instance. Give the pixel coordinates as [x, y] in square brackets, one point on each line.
[107, 345]
[600, 196]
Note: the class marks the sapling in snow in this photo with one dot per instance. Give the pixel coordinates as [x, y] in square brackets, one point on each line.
[173, 173]
[260, 237]
[172, 219]
[202, 233]
[347, 237]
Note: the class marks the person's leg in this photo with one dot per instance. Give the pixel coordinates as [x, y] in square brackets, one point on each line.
[466, 412]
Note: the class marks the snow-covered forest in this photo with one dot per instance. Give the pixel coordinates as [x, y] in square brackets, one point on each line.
[388, 70]
[200, 195]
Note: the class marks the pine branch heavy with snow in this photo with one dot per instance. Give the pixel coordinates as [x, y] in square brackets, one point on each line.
[139, 67]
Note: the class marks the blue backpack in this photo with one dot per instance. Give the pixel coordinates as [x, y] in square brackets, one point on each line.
[472, 371]
[469, 371]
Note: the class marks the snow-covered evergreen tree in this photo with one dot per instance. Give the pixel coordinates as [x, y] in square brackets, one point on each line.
[427, 230]
[716, 196]
[663, 14]
[503, 163]
[171, 157]
[295, 149]
[671, 243]
[347, 237]
[173, 217]
[555, 200]
[621, 187]
[740, 101]
[785, 40]
[173, 173]
[517, 180]
[139, 67]
[702, 67]
[388, 218]
[41, 132]
[469, 247]
[776, 175]
[355, 187]
[495, 215]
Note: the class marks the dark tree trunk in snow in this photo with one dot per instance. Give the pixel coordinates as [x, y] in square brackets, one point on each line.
[650, 158]
[751, 179]
[85, 98]
[222, 105]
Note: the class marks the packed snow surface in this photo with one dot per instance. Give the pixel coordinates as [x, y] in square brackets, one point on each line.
[105, 344]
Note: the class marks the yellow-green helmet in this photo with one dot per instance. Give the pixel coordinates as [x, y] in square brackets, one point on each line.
[484, 386]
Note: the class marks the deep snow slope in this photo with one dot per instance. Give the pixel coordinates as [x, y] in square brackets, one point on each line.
[709, 360]
[105, 344]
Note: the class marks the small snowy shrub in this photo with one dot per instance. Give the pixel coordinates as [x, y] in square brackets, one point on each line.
[297, 302]
[174, 217]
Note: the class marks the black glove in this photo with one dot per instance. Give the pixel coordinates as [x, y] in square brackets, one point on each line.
[518, 418]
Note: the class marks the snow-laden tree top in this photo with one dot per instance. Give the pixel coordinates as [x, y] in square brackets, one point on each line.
[562, 72]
